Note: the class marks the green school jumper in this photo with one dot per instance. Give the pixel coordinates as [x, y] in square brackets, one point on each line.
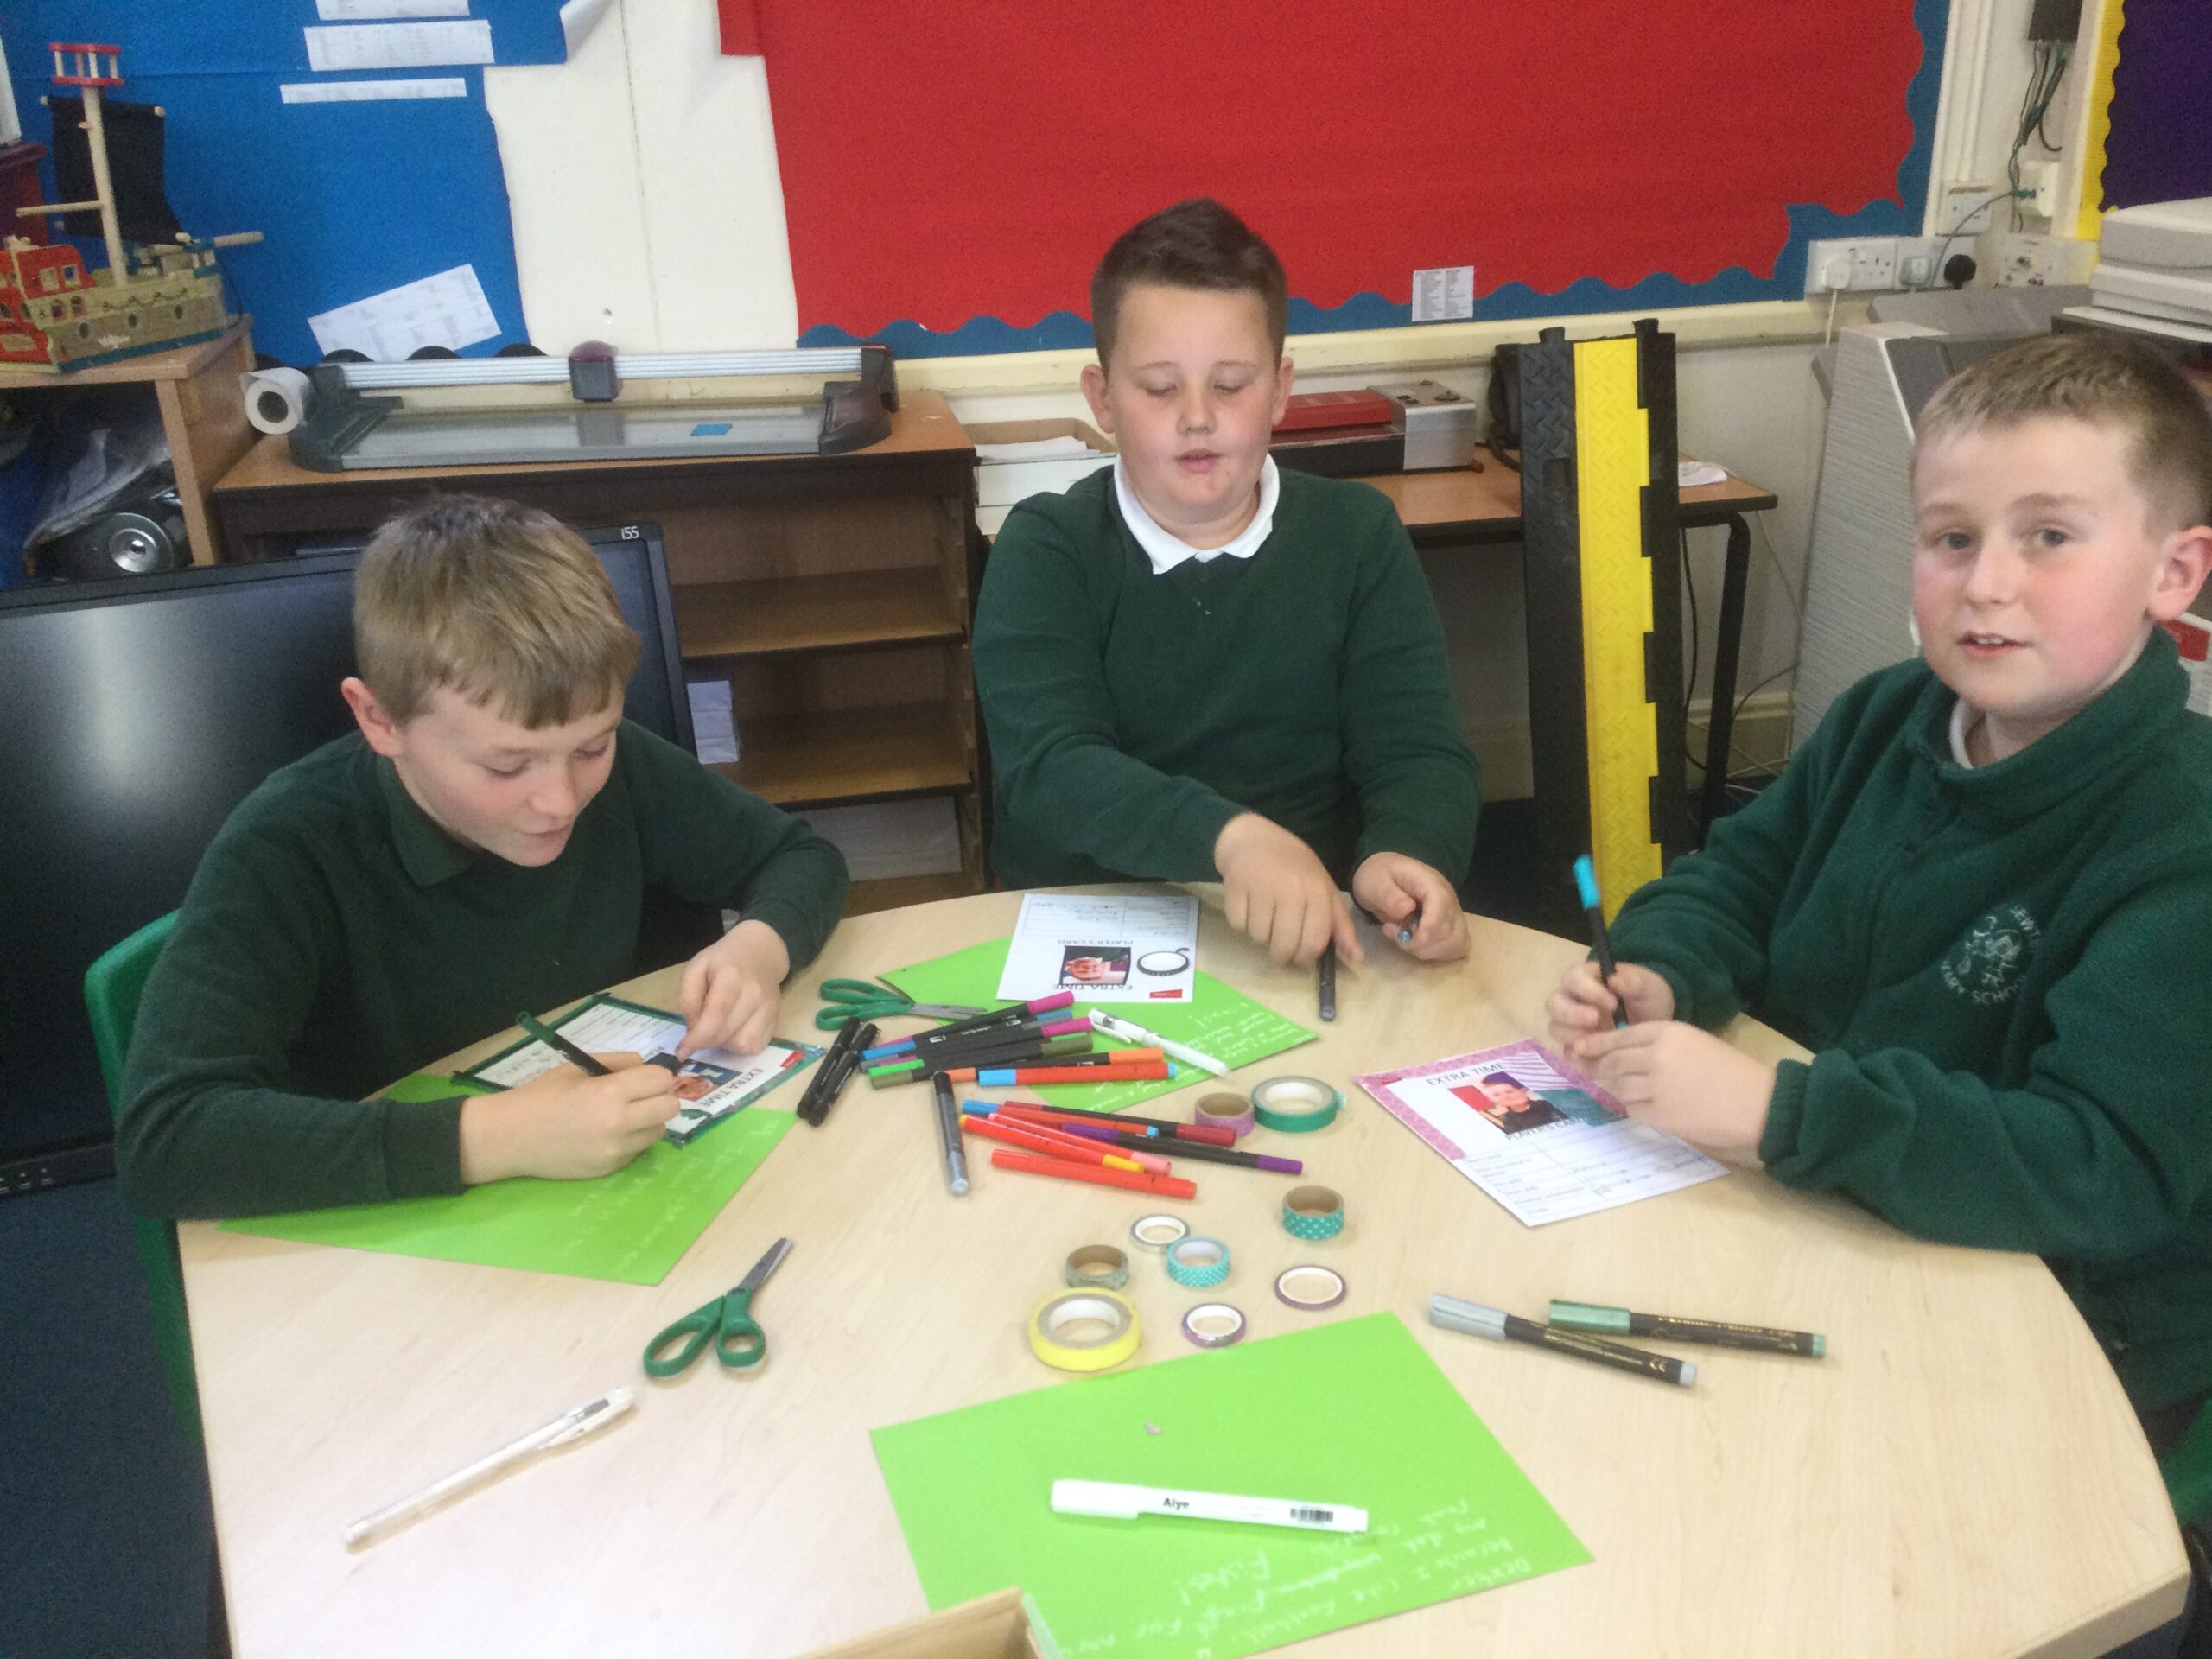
[1132, 715]
[2000, 971]
[334, 939]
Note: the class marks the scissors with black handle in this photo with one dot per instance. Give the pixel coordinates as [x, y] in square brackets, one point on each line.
[726, 1322]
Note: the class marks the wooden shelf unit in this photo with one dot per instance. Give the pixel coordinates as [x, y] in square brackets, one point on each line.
[832, 591]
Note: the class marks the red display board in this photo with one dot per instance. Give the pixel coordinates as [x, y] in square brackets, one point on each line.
[974, 158]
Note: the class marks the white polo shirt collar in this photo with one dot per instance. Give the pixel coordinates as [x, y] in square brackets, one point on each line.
[1166, 550]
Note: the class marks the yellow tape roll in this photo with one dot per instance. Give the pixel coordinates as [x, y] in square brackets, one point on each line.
[1055, 1335]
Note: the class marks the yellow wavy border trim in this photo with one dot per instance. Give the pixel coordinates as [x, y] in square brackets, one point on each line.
[2090, 217]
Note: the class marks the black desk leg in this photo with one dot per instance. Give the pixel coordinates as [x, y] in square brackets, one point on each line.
[1720, 728]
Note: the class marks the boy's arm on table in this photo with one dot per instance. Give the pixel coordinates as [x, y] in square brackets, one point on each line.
[205, 1129]
[710, 842]
[1054, 741]
[1704, 926]
[2106, 1150]
[1408, 760]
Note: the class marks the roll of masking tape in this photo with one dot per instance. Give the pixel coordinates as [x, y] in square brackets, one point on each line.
[1309, 1289]
[1225, 1111]
[1313, 1212]
[275, 399]
[1213, 1325]
[1158, 1232]
[1099, 1266]
[1084, 1329]
[1295, 1105]
[1198, 1262]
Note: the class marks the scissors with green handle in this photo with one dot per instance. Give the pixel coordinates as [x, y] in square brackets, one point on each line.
[867, 999]
[737, 1337]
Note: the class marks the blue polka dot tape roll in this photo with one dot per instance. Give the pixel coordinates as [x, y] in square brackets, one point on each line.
[1313, 1212]
[1198, 1261]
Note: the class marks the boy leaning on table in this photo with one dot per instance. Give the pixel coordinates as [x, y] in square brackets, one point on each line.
[1197, 665]
[486, 842]
[1982, 894]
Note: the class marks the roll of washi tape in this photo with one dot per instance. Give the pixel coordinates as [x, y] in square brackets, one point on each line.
[1158, 1232]
[1198, 1262]
[1295, 1105]
[1099, 1266]
[1084, 1329]
[1213, 1325]
[1225, 1111]
[1313, 1212]
[1160, 963]
[1310, 1289]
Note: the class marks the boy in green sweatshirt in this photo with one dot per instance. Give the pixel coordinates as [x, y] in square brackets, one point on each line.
[485, 843]
[1982, 894]
[1196, 665]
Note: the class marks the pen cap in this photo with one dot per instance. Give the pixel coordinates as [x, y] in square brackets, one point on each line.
[1591, 1316]
[1586, 882]
[1098, 1497]
[1471, 1316]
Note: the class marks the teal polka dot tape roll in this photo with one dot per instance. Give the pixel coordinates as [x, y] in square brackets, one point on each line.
[1198, 1261]
[1313, 1212]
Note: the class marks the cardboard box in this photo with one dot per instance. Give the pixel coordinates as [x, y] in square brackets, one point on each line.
[1003, 1626]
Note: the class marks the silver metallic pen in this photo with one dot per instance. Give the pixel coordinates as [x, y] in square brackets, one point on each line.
[948, 1129]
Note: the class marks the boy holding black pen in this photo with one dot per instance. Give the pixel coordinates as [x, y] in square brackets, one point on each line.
[1982, 893]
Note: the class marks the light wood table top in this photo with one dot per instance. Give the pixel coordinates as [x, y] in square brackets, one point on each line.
[1961, 1475]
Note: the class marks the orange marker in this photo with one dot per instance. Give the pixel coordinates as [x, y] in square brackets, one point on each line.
[1167, 1187]
[1023, 1076]
[1053, 1140]
[1105, 1155]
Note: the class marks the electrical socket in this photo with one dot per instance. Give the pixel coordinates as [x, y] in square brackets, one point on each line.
[1967, 208]
[1917, 261]
[2028, 260]
[1867, 263]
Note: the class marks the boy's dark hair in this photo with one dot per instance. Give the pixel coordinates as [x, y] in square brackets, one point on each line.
[1195, 243]
[2101, 379]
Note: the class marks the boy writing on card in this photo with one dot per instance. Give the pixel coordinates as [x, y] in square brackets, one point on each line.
[1981, 894]
[486, 842]
[1196, 665]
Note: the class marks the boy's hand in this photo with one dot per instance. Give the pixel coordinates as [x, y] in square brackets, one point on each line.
[1275, 891]
[1685, 1081]
[1391, 887]
[566, 1125]
[1583, 1004]
[731, 989]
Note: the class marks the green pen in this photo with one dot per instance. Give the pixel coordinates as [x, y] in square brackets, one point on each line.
[1719, 1333]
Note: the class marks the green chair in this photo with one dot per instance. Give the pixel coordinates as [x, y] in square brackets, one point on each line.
[113, 986]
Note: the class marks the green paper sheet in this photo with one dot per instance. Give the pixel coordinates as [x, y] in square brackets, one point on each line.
[632, 1226]
[1218, 1021]
[1354, 1412]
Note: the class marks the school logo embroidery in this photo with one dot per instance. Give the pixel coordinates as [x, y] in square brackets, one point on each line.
[1987, 965]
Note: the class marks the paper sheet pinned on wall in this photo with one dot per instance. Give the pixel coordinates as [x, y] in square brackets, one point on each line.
[358, 11]
[399, 45]
[447, 310]
[356, 92]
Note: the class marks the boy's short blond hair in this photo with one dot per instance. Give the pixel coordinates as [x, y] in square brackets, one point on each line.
[2102, 380]
[502, 604]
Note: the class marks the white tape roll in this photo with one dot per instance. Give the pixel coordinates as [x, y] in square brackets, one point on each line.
[275, 399]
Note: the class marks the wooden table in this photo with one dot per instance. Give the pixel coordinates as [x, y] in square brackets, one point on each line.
[1961, 1476]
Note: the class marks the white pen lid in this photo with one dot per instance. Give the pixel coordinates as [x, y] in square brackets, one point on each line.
[1100, 1498]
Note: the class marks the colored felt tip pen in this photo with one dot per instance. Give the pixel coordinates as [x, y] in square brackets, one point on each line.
[1410, 926]
[1167, 1186]
[1105, 1157]
[1130, 1032]
[1112, 1500]
[1476, 1320]
[948, 1129]
[1029, 1076]
[1601, 942]
[1204, 1151]
[1143, 1154]
[1717, 1333]
[561, 1045]
[1164, 1128]
[1325, 977]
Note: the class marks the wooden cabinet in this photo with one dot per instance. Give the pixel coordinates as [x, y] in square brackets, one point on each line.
[832, 591]
[203, 413]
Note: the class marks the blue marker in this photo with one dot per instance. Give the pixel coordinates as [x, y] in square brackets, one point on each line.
[1586, 882]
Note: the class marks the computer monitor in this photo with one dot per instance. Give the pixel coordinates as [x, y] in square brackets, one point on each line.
[134, 715]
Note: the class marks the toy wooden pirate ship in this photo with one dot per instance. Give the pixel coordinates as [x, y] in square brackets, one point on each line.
[161, 288]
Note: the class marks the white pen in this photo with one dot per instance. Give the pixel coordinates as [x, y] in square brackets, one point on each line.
[592, 1415]
[1112, 1500]
[1130, 1032]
